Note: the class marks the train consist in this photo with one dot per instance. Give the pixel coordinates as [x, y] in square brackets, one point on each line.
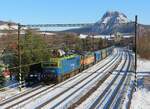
[57, 69]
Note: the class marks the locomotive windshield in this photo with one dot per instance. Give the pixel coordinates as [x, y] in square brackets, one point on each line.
[54, 64]
[50, 64]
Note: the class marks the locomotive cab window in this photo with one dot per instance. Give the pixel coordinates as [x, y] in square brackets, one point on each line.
[50, 64]
[54, 64]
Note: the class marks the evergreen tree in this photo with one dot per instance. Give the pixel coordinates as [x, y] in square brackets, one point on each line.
[2, 79]
[33, 50]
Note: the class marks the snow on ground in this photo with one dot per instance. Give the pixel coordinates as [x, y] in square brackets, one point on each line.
[5, 26]
[141, 98]
[11, 89]
[11, 92]
[106, 20]
[89, 101]
[143, 65]
[82, 36]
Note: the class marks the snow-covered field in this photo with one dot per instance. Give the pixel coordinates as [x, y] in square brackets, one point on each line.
[141, 98]
[143, 65]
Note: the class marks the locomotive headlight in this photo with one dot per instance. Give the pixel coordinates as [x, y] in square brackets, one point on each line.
[31, 75]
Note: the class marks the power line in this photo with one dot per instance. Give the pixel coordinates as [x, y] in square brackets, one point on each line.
[69, 25]
[59, 25]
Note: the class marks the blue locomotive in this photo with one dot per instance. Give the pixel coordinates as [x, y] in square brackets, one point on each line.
[59, 69]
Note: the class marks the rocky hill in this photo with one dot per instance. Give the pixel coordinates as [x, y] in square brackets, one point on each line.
[110, 23]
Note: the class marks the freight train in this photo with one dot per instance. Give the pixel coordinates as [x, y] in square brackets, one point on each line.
[58, 69]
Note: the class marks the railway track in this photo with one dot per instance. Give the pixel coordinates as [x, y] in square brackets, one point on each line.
[62, 97]
[85, 92]
[84, 97]
[113, 103]
[125, 94]
[106, 99]
[13, 101]
[19, 94]
[100, 92]
[122, 92]
[64, 88]
[120, 96]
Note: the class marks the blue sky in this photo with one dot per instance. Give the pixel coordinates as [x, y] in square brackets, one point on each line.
[70, 11]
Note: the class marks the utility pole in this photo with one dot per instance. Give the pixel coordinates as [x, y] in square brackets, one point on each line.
[136, 50]
[86, 44]
[19, 57]
[93, 42]
[135, 42]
